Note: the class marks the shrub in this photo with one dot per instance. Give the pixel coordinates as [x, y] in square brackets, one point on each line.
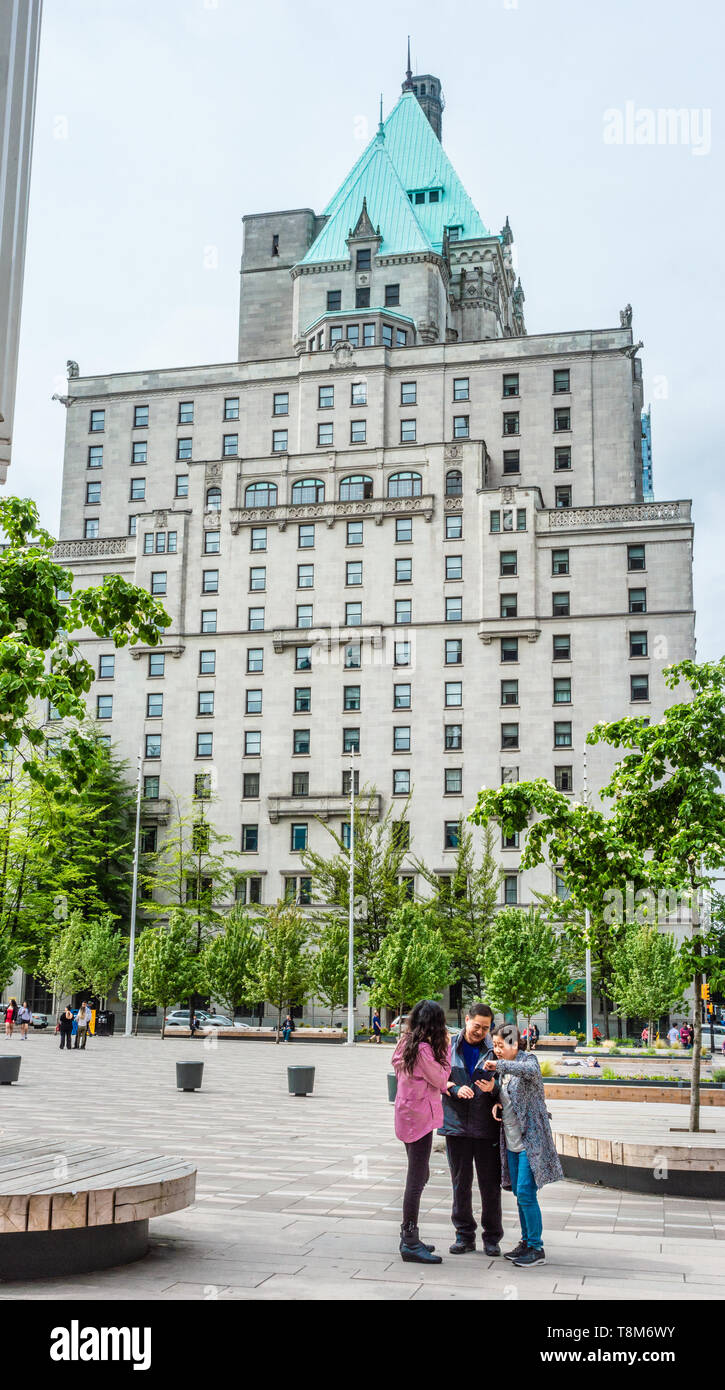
[718, 1074]
[547, 1067]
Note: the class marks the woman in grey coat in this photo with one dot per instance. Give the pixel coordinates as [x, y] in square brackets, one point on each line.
[528, 1154]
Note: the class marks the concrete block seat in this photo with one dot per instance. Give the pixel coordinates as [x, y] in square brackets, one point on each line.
[72, 1207]
[641, 1148]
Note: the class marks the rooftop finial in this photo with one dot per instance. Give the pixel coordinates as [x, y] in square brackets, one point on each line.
[381, 127]
[408, 84]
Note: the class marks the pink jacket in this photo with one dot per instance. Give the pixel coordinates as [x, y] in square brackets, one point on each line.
[418, 1104]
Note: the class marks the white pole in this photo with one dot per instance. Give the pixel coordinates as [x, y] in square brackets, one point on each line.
[588, 956]
[134, 898]
[351, 915]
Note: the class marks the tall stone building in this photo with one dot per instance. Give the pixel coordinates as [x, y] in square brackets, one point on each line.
[19, 45]
[397, 525]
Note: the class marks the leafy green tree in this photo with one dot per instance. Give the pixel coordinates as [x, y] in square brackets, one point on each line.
[465, 905]
[193, 871]
[379, 853]
[665, 831]
[527, 962]
[41, 658]
[228, 960]
[412, 962]
[103, 955]
[60, 962]
[166, 968]
[283, 969]
[62, 849]
[330, 966]
[649, 974]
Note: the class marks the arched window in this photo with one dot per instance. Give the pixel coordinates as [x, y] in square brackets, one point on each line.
[454, 483]
[354, 488]
[308, 490]
[422, 89]
[404, 485]
[261, 495]
[213, 499]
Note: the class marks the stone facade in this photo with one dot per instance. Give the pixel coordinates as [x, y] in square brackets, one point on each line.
[496, 526]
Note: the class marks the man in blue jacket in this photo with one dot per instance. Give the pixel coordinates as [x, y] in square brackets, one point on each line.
[472, 1134]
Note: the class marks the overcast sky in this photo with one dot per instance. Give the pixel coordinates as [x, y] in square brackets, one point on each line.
[161, 122]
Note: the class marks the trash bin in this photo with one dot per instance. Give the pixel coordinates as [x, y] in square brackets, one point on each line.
[102, 1025]
[110, 1021]
[300, 1080]
[9, 1070]
[188, 1075]
[392, 1085]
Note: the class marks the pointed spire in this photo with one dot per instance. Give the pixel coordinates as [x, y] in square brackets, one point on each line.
[381, 127]
[408, 84]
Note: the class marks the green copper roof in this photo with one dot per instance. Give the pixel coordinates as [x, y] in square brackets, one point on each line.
[405, 156]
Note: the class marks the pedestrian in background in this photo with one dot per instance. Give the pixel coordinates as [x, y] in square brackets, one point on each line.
[11, 1013]
[422, 1063]
[288, 1028]
[377, 1033]
[83, 1018]
[25, 1018]
[65, 1028]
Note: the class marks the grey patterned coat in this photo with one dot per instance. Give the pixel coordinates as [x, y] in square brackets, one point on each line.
[526, 1093]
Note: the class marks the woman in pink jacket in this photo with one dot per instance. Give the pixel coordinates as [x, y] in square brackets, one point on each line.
[422, 1062]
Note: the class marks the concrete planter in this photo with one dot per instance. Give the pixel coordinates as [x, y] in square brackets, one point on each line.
[392, 1085]
[189, 1075]
[9, 1070]
[300, 1080]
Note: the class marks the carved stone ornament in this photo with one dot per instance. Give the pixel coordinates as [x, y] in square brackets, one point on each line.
[452, 452]
[213, 472]
[343, 355]
[625, 316]
[427, 330]
[71, 368]
[161, 520]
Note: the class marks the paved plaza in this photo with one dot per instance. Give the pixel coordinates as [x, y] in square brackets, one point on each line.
[299, 1198]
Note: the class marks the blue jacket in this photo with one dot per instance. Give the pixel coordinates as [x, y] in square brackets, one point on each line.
[470, 1119]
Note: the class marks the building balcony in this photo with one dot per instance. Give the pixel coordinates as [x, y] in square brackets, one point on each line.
[99, 549]
[156, 809]
[375, 507]
[325, 636]
[325, 807]
[625, 514]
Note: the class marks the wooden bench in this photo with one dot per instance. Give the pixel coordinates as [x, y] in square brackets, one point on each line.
[72, 1207]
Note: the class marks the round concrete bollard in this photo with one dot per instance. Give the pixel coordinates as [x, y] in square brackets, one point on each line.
[300, 1080]
[188, 1075]
[9, 1070]
[392, 1085]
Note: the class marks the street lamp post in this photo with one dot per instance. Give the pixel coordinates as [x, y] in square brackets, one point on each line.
[588, 956]
[351, 914]
[134, 899]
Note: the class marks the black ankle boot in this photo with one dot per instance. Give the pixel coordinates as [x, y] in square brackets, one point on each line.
[412, 1249]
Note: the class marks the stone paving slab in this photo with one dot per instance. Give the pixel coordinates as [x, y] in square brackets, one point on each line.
[300, 1199]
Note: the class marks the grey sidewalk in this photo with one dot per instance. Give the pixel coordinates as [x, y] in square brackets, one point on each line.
[299, 1198]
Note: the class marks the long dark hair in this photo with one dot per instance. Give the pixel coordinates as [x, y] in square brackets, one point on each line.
[426, 1023]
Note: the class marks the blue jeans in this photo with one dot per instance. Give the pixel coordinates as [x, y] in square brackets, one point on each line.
[524, 1190]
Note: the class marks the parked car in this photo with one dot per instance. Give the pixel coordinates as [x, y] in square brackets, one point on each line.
[40, 1020]
[179, 1018]
[399, 1023]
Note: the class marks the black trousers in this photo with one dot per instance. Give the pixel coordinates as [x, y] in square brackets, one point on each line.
[463, 1155]
[418, 1174]
[65, 1041]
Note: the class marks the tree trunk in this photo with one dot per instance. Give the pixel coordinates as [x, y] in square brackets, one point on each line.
[279, 1025]
[163, 1023]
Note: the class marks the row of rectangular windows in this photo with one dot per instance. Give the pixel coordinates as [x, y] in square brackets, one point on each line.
[358, 396]
[304, 617]
[453, 656]
[301, 738]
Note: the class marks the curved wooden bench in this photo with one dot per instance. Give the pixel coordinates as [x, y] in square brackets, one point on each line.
[67, 1208]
